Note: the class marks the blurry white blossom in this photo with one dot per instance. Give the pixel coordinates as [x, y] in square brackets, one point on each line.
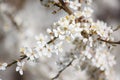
[3, 66]
[19, 68]
[87, 12]
[74, 4]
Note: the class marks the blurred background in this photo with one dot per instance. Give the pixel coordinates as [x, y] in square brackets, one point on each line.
[21, 20]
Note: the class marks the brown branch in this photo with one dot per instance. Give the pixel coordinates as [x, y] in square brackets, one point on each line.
[13, 21]
[58, 5]
[110, 42]
[10, 64]
[80, 1]
[65, 8]
[58, 74]
[52, 40]
[118, 27]
[24, 56]
[62, 5]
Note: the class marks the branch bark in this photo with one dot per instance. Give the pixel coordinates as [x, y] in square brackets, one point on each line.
[118, 27]
[65, 7]
[13, 21]
[10, 64]
[110, 42]
[58, 74]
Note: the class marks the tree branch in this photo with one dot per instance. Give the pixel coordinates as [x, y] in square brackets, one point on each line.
[65, 8]
[110, 42]
[24, 56]
[58, 74]
[118, 27]
[13, 21]
[10, 64]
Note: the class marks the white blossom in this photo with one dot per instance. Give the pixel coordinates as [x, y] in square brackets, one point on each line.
[74, 4]
[58, 48]
[87, 53]
[48, 50]
[89, 2]
[41, 39]
[83, 32]
[3, 66]
[19, 68]
[87, 12]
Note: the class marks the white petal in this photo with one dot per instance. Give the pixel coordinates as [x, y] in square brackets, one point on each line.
[32, 57]
[17, 68]
[19, 63]
[4, 64]
[22, 63]
[21, 72]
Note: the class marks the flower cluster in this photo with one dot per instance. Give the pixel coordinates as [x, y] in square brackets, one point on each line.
[3, 67]
[19, 67]
[41, 49]
[80, 30]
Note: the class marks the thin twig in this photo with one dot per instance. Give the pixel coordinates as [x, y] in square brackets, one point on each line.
[65, 7]
[58, 74]
[10, 64]
[13, 21]
[24, 56]
[80, 1]
[118, 27]
[52, 40]
[110, 42]
[61, 5]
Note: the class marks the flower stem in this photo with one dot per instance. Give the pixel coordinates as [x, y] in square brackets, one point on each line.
[111, 42]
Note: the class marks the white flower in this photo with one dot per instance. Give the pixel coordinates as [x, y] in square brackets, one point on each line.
[58, 48]
[19, 67]
[87, 12]
[67, 1]
[89, 2]
[103, 59]
[3, 66]
[38, 52]
[31, 53]
[48, 50]
[90, 41]
[58, 33]
[49, 31]
[85, 40]
[78, 14]
[41, 39]
[74, 5]
[28, 52]
[80, 30]
[102, 29]
[87, 53]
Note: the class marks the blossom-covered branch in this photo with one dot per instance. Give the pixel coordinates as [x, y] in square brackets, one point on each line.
[14, 62]
[78, 28]
[24, 56]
